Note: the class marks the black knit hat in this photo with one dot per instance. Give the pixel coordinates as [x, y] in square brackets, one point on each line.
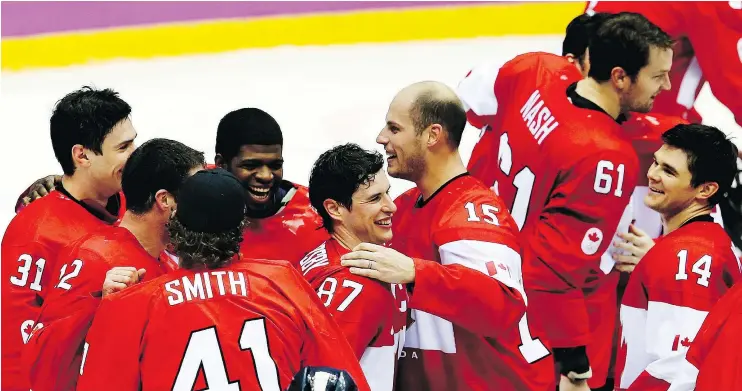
[211, 201]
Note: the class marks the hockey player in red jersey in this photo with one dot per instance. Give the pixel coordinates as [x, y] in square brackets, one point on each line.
[708, 47]
[150, 183]
[214, 323]
[715, 353]
[455, 245]
[350, 190]
[680, 279]
[249, 144]
[558, 144]
[92, 137]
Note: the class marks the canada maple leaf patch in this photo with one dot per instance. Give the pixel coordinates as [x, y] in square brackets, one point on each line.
[592, 240]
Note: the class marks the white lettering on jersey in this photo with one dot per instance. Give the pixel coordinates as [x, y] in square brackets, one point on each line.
[314, 259]
[538, 117]
[198, 286]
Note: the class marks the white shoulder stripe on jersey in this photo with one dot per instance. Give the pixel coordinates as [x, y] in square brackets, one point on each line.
[477, 91]
[493, 259]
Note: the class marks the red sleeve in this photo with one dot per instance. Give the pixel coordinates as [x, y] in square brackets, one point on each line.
[575, 228]
[479, 266]
[715, 350]
[720, 367]
[52, 353]
[111, 362]
[358, 305]
[23, 288]
[324, 343]
[715, 32]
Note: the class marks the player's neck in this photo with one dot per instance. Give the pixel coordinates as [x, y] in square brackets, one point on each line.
[346, 238]
[602, 94]
[438, 171]
[81, 189]
[671, 223]
[150, 233]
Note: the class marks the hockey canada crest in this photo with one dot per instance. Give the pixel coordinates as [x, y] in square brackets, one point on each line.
[591, 241]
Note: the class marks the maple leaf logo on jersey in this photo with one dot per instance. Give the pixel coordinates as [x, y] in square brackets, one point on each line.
[592, 240]
[686, 342]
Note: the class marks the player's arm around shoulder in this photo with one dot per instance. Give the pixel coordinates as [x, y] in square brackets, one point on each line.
[476, 280]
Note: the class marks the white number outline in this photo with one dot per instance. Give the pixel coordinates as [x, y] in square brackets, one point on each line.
[488, 210]
[63, 284]
[253, 337]
[330, 293]
[604, 180]
[702, 267]
[25, 270]
[522, 181]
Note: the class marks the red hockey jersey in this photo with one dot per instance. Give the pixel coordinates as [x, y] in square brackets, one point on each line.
[251, 326]
[468, 330]
[289, 234]
[708, 48]
[715, 352]
[667, 298]
[54, 351]
[372, 315]
[566, 173]
[30, 247]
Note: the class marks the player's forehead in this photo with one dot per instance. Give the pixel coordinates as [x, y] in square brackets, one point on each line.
[399, 111]
[264, 153]
[659, 60]
[122, 132]
[378, 184]
[674, 157]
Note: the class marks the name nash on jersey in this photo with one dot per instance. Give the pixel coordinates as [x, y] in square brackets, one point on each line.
[538, 117]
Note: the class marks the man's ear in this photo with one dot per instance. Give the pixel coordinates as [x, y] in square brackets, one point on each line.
[219, 161]
[80, 156]
[706, 190]
[620, 79]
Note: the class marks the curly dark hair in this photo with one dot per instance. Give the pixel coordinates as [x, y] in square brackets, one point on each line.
[202, 249]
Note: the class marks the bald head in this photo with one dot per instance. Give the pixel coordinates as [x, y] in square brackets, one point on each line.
[432, 102]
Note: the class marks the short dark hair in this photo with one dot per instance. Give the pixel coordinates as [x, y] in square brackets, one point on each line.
[338, 173]
[204, 249]
[430, 109]
[157, 164]
[84, 117]
[624, 40]
[579, 32]
[712, 157]
[248, 126]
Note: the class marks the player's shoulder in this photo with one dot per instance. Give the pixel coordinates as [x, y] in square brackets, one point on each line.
[695, 240]
[590, 139]
[650, 126]
[408, 198]
[55, 215]
[319, 263]
[262, 265]
[466, 204]
[114, 245]
[703, 236]
[139, 297]
[297, 201]
[540, 62]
